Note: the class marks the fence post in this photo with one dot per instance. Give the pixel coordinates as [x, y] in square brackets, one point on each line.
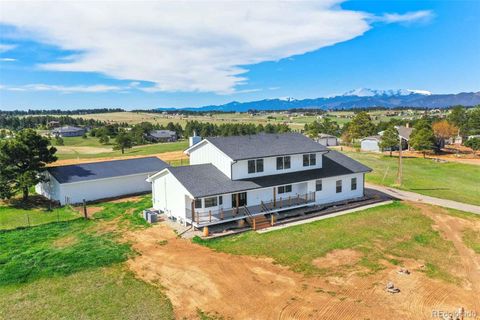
[221, 214]
[209, 215]
[85, 213]
[272, 219]
[254, 223]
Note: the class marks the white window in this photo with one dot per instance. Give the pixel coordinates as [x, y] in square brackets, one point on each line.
[285, 189]
[211, 202]
[198, 203]
[339, 186]
[255, 165]
[354, 184]
[283, 163]
[318, 185]
[309, 159]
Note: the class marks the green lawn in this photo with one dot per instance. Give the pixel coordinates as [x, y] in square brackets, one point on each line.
[73, 269]
[11, 218]
[453, 181]
[387, 233]
[80, 142]
[145, 150]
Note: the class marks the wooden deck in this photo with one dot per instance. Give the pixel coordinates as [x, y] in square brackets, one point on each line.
[212, 217]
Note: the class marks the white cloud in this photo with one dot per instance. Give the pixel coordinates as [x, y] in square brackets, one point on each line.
[66, 89]
[179, 45]
[8, 59]
[6, 47]
[409, 17]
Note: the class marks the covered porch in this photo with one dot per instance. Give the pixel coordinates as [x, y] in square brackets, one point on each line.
[240, 210]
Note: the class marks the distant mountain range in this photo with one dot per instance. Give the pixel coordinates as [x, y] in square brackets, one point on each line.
[358, 98]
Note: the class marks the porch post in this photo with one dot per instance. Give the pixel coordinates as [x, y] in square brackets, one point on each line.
[274, 197]
[237, 198]
[193, 210]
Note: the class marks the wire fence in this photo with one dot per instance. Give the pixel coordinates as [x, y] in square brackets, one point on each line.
[14, 220]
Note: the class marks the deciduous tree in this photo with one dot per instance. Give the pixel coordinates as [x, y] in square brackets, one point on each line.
[474, 144]
[390, 139]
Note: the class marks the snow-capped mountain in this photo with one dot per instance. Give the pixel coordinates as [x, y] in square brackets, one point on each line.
[358, 98]
[366, 92]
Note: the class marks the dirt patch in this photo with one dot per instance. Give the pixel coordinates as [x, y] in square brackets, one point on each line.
[65, 242]
[243, 287]
[82, 150]
[336, 258]
[127, 199]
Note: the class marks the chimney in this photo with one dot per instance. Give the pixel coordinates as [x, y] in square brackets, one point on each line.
[194, 139]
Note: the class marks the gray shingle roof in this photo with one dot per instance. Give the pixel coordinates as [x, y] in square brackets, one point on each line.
[163, 133]
[106, 169]
[404, 132]
[205, 180]
[265, 145]
[68, 129]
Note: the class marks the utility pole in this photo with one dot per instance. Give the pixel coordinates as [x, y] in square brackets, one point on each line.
[400, 168]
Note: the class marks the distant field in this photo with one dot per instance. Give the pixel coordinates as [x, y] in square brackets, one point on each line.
[453, 181]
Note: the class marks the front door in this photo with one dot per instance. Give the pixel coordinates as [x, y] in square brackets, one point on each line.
[242, 199]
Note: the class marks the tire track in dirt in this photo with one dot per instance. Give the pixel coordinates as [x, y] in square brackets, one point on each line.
[243, 287]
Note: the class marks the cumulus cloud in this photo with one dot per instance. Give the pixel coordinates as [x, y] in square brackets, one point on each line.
[182, 46]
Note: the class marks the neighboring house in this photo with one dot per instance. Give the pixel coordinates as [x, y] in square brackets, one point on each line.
[372, 143]
[233, 178]
[69, 131]
[162, 136]
[99, 180]
[327, 139]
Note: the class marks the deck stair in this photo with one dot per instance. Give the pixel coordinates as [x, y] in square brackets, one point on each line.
[261, 222]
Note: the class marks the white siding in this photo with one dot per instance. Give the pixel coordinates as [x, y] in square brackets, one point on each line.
[208, 153]
[329, 194]
[170, 196]
[369, 145]
[240, 168]
[94, 189]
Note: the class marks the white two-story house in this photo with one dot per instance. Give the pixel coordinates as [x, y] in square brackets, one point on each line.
[231, 178]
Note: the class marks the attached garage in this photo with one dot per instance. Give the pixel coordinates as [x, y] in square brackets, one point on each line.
[99, 180]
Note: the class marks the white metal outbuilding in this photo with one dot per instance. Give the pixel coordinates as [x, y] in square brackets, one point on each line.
[99, 180]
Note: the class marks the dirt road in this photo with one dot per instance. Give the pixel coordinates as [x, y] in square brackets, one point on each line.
[242, 287]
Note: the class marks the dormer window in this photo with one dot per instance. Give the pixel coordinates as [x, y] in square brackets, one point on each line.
[255, 166]
[283, 163]
[309, 159]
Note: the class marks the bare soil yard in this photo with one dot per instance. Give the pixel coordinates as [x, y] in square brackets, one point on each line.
[240, 287]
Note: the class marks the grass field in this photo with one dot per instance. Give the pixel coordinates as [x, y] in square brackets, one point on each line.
[453, 181]
[90, 148]
[11, 218]
[393, 232]
[73, 269]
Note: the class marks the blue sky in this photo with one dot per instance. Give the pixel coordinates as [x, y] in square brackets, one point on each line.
[71, 56]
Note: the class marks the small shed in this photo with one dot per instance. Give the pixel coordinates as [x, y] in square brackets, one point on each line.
[327, 140]
[99, 180]
[371, 144]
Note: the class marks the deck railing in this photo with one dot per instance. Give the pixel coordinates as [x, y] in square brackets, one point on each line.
[206, 217]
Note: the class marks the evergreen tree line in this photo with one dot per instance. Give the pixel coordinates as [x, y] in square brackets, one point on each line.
[16, 123]
[60, 111]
